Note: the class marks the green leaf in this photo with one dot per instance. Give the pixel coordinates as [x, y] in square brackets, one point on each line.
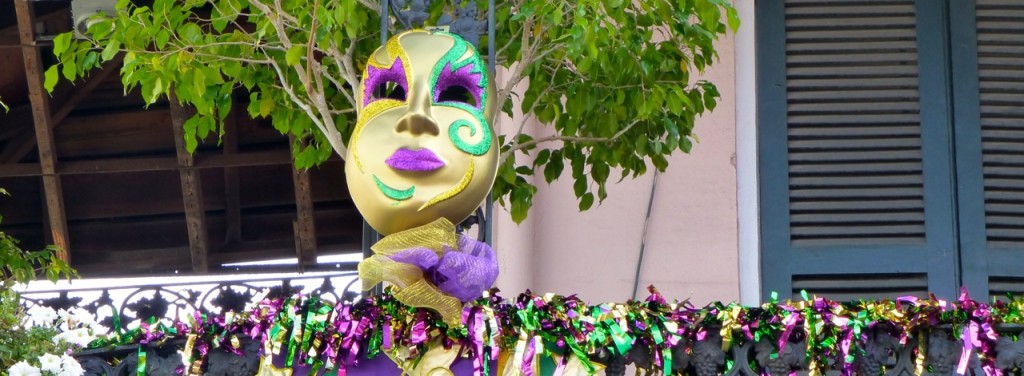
[266, 106]
[579, 187]
[295, 54]
[191, 125]
[521, 200]
[733, 18]
[110, 50]
[50, 78]
[586, 201]
[61, 43]
[191, 33]
[69, 68]
[542, 157]
[91, 58]
[554, 168]
[600, 171]
[508, 174]
[162, 37]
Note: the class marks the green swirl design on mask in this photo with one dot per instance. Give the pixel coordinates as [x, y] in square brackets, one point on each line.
[452, 57]
[392, 193]
[479, 148]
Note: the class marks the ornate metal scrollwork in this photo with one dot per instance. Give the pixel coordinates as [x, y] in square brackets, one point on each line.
[878, 350]
[465, 20]
[95, 366]
[163, 361]
[1010, 353]
[222, 362]
[790, 358]
[944, 353]
[708, 358]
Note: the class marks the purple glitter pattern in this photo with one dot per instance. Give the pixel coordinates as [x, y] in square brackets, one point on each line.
[414, 160]
[377, 76]
[465, 77]
[463, 273]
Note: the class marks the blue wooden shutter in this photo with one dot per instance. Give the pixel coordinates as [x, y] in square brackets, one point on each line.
[988, 87]
[854, 148]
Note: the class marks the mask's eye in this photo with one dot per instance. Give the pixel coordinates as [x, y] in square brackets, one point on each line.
[389, 90]
[385, 83]
[464, 85]
[457, 93]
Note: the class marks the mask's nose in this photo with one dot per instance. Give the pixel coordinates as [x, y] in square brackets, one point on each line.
[418, 119]
[417, 124]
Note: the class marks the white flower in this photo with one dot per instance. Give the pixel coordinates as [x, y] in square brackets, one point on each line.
[70, 367]
[41, 316]
[49, 363]
[82, 316]
[22, 368]
[79, 337]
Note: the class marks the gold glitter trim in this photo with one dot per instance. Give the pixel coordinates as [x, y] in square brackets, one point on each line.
[394, 49]
[458, 188]
[369, 112]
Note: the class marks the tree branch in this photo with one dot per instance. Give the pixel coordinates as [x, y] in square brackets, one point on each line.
[569, 138]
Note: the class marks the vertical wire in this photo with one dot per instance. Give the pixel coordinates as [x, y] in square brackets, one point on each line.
[370, 236]
[489, 209]
[385, 15]
[643, 235]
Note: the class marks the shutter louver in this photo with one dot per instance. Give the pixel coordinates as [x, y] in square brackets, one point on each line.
[1000, 27]
[854, 134]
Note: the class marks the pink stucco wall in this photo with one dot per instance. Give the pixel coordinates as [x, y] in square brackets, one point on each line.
[691, 247]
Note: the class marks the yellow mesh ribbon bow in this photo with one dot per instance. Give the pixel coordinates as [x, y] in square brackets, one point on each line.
[412, 288]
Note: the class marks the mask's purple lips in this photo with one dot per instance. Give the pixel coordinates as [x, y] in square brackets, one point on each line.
[414, 160]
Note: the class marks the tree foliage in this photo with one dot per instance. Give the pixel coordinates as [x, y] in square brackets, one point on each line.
[20, 266]
[615, 82]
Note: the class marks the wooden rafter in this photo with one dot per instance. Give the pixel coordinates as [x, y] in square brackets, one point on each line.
[191, 193]
[9, 36]
[141, 164]
[83, 91]
[305, 223]
[53, 195]
[21, 147]
[232, 190]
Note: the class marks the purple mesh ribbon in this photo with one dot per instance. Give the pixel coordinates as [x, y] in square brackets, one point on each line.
[463, 273]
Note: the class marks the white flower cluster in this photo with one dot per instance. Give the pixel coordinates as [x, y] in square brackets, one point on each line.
[49, 365]
[77, 326]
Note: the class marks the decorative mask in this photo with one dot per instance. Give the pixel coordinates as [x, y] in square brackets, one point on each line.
[422, 148]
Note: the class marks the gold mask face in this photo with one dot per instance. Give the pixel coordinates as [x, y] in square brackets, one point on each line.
[422, 148]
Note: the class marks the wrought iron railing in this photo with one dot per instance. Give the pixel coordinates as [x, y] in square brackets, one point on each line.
[935, 352]
[171, 301]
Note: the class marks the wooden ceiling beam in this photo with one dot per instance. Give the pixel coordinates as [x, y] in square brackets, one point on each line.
[191, 192]
[232, 190]
[17, 151]
[127, 165]
[83, 91]
[53, 194]
[9, 36]
[304, 226]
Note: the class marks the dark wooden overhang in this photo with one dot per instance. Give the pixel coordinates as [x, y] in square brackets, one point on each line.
[97, 172]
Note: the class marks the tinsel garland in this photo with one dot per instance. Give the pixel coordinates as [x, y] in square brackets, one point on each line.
[304, 330]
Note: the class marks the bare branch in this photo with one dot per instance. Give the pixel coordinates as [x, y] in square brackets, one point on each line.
[569, 138]
[373, 5]
[332, 135]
